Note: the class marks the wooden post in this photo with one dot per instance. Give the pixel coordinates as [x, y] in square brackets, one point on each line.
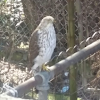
[71, 43]
[82, 69]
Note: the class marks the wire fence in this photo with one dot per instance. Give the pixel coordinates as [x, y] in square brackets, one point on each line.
[18, 18]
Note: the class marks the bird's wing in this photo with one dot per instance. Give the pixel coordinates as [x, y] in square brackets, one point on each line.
[33, 47]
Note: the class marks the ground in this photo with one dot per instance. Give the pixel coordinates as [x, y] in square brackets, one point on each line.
[16, 74]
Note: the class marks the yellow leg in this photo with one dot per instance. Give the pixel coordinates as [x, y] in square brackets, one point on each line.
[44, 67]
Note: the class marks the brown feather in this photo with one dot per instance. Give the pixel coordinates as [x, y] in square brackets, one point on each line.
[33, 48]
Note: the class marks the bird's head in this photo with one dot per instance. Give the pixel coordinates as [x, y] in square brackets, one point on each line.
[46, 21]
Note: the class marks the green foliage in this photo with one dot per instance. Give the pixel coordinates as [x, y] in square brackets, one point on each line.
[2, 54]
[3, 2]
[53, 96]
[59, 97]
[17, 56]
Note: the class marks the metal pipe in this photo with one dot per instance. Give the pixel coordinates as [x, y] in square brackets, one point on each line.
[43, 95]
[76, 57]
[27, 85]
[57, 68]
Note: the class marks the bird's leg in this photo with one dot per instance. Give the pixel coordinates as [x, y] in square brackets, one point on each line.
[35, 69]
[45, 67]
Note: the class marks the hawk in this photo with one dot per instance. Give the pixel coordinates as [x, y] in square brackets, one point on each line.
[42, 44]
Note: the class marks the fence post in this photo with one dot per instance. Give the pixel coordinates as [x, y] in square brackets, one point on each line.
[82, 69]
[43, 95]
[44, 87]
[71, 43]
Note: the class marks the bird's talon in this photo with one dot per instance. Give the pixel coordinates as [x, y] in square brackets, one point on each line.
[45, 68]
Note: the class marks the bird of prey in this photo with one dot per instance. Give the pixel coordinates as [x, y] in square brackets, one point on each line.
[42, 44]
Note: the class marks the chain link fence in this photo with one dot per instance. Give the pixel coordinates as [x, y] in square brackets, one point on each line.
[18, 18]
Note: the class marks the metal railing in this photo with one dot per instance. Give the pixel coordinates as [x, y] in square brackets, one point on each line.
[42, 78]
[18, 18]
